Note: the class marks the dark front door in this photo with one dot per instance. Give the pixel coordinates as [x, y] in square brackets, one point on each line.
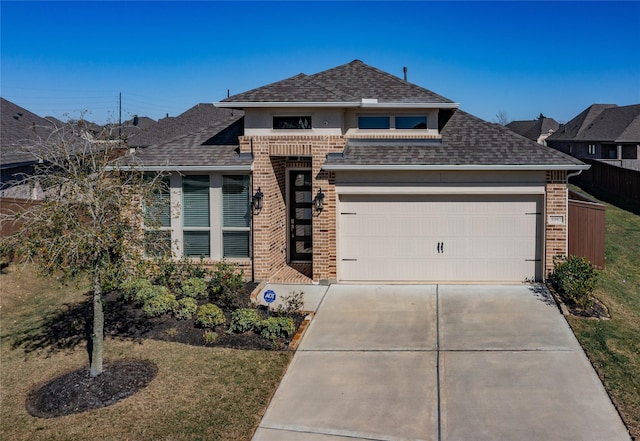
[300, 209]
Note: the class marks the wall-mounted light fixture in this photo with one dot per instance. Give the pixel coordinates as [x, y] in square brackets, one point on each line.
[256, 200]
[318, 201]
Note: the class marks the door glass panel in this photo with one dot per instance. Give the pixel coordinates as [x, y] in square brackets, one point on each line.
[300, 215]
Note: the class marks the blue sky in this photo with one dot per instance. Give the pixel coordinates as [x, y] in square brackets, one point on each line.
[522, 58]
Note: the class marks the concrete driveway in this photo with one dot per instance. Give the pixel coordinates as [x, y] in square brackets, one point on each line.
[439, 362]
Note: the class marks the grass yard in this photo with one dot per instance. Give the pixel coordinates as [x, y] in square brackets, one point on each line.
[199, 393]
[614, 346]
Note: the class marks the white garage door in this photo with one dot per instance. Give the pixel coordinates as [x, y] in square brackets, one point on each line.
[492, 238]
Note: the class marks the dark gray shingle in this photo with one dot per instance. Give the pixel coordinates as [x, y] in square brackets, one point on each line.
[349, 82]
[466, 140]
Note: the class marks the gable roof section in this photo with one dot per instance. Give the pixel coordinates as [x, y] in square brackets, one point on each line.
[348, 84]
[212, 148]
[577, 125]
[200, 116]
[534, 128]
[19, 127]
[467, 143]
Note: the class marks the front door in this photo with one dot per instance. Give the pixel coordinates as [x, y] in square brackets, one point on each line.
[300, 210]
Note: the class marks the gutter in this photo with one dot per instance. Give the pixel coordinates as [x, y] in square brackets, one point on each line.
[506, 167]
[183, 168]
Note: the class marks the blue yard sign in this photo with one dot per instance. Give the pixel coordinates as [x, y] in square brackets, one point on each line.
[269, 296]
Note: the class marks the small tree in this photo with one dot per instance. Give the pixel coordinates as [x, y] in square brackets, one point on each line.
[90, 221]
[502, 118]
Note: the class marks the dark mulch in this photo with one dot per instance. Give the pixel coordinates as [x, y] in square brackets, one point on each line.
[596, 311]
[77, 391]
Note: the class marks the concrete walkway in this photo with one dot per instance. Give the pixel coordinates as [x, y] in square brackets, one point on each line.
[445, 362]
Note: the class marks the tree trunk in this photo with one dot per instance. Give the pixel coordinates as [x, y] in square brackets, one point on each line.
[97, 338]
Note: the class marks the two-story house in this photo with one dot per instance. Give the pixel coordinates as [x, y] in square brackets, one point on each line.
[602, 131]
[355, 175]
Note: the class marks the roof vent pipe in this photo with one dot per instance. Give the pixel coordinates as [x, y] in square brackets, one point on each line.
[404, 70]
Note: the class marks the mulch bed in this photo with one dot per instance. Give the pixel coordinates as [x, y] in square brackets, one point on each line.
[77, 391]
[596, 311]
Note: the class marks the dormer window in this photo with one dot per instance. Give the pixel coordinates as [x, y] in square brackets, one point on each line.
[292, 122]
[400, 122]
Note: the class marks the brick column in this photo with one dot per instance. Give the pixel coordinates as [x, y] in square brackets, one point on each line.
[556, 218]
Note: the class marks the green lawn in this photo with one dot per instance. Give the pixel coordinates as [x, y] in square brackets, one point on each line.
[614, 346]
[199, 393]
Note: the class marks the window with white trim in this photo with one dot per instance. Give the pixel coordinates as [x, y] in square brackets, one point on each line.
[196, 225]
[157, 217]
[236, 216]
[592, 149]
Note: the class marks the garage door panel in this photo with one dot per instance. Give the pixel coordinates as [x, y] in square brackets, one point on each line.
[439, 238]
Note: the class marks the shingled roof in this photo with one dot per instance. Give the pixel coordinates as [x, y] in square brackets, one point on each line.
[602, 122]
[19, 127]
[467, 141]
[532, 129]
[210, 147]
[349, 82]
[200, 116]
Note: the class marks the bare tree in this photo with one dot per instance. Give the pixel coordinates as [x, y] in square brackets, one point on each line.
[90, 221]
[502, 118]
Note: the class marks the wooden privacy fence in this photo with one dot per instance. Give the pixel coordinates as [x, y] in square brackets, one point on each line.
[620, 181]
[586, 229]
[9, 207]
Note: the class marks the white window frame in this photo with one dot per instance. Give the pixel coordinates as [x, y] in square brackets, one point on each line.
[215, 228]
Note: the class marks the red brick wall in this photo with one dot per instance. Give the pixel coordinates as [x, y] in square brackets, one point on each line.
[556, 205]
[270, 225]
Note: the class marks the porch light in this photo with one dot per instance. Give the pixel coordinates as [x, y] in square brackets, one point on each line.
[318, 201]
[256, 200]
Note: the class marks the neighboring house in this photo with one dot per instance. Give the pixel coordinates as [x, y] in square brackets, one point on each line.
[18, 128]
[604, 132]
[353, 174]
[196, 118]
[537, 130]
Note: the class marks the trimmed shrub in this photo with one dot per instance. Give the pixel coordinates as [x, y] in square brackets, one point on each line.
[129, 289]
[226, 283]
[146, 292]
[245, 319]
[185, 308]
[194, 287]
[160, 304]
[575, 277]
[277, 327]
[209, 337]
[210, 316]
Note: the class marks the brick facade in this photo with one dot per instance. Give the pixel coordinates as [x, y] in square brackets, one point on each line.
[556, 212]
[273, 156]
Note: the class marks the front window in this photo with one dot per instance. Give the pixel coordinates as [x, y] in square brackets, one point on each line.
[236, 216]
[195, 216]
[292, 122]
[157, 218]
